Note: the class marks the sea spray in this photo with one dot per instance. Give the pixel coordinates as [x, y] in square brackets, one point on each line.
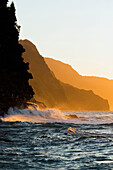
[34, 115]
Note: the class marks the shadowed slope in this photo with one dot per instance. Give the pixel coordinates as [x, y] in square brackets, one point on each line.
[47, 88]
[53, 92]
[100, 86]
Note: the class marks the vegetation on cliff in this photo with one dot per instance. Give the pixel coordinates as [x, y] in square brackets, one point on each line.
[14, 76]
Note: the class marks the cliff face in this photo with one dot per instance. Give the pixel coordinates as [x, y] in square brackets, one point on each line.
[46, 87]
[65, 73]
[54, 93]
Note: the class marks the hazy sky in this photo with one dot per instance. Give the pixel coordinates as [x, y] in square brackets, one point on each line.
[77, 32]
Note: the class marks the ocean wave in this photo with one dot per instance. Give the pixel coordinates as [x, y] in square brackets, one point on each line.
[33, 114]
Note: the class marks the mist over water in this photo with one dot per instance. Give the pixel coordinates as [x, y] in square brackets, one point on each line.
[35, 115]
[53, 139]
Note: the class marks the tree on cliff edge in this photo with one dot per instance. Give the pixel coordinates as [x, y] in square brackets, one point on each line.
[14, 76]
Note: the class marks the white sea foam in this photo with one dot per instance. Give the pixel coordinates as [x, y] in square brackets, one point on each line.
[33, 114]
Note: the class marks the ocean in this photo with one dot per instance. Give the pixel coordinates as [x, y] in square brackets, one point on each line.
[53, 139]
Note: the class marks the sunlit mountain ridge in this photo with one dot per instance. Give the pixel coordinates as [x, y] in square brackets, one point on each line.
[99, 85]
[54, 93]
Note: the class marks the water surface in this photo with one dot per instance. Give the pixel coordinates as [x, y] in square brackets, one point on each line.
[43, 142]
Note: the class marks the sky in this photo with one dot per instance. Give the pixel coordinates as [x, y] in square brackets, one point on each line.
[77, 32]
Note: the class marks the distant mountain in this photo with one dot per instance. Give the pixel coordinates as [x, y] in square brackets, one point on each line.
[54, 93]
[65, 73]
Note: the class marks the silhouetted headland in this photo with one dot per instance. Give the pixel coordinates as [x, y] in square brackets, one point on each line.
[14, 76]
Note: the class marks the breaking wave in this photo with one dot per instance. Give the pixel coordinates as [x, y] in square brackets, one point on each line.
[33, 114]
